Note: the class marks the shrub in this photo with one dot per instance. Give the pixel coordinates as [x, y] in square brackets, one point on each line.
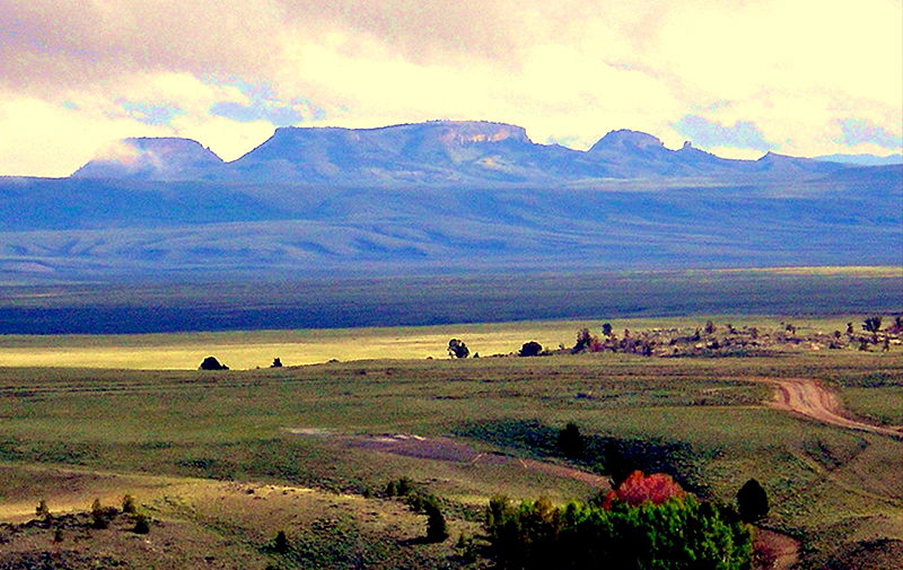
[678, 534]
[457, 349]
[142, 525]
[277, 363]
[585, 341]
[570, 442]
[42, 510]
[211, 363]
[531, 348]
[280, 543]
[467, 549]
[638, 488]
[100, 516]
[399, 487]
[872, 324]
[128, 504]
[436, 530]
[752, 501]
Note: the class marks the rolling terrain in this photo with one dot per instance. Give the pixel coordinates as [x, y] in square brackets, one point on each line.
[440, 197]
[221, 461]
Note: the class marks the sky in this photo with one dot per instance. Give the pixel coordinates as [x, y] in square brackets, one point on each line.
[735, 77]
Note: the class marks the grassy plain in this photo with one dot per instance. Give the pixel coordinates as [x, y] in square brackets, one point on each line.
[192, 444]
[250, 349]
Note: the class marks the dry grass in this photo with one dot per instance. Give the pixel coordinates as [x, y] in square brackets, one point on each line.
[252, 349]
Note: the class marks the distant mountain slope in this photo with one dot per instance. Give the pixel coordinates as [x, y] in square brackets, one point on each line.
[153, 159]
[862, 159]
[441, 196]
[81, 228]
[436, 153]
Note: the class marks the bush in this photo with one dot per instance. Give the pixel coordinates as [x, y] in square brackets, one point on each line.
[457, 349]
[399, 487]
[436, 530]
[280, 543]
[100, 515]
[570, 442]
[678, 534]
[872, 324]
[128, 504]
[531, 348]
[42, 511]
[142, 525]
[211, 363]
[752, 501]
[585, 341]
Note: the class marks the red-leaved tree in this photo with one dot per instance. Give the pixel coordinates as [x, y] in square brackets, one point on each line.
[639, 488]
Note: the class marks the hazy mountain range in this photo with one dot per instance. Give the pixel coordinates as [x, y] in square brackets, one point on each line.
[440, 196]
[439, 153]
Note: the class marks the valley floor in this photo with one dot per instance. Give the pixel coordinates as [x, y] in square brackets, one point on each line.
[221, 461]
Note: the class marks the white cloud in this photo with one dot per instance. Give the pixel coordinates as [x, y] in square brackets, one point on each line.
[570, 70]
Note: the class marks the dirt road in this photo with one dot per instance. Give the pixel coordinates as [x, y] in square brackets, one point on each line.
[807, 397]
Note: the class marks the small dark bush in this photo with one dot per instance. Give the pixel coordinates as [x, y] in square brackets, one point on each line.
[752, 501]
[277, 363]
[872, 324]
[457, 349]
[211, 363]
[128, 504]
[399, 487]
[280, 543]
[100, 515]
[585, 341]
[142, 525]
[570, 442]
[436, 530]
[531, 348]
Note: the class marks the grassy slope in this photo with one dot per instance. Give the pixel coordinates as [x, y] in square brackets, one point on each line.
[828, 485]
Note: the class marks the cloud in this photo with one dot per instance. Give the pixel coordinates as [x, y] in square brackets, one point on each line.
[279, 115]
[711, 134]
[858, 131]
[779, 72]
[151, 113]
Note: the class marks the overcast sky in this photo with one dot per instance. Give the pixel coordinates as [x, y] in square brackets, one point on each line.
[736, 77]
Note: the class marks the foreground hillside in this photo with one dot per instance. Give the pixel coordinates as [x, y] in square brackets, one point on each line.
[222, 461]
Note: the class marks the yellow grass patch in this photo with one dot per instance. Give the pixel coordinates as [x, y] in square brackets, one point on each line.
[251, 349]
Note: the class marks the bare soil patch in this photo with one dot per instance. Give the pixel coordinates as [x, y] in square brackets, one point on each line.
[808, 397]
[775, 551]
[454, 451]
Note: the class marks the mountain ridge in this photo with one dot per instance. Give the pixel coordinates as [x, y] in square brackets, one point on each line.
[443, 153]
[441, 197]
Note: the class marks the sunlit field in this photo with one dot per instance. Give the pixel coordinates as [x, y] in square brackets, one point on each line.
[252, 349]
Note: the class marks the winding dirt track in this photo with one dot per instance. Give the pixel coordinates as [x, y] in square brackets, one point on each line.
[807, 397]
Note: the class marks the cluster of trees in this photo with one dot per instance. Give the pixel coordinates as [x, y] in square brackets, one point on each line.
[100, 516]
[647, 523]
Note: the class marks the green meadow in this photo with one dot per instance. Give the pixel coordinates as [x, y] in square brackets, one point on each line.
[102, 416]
